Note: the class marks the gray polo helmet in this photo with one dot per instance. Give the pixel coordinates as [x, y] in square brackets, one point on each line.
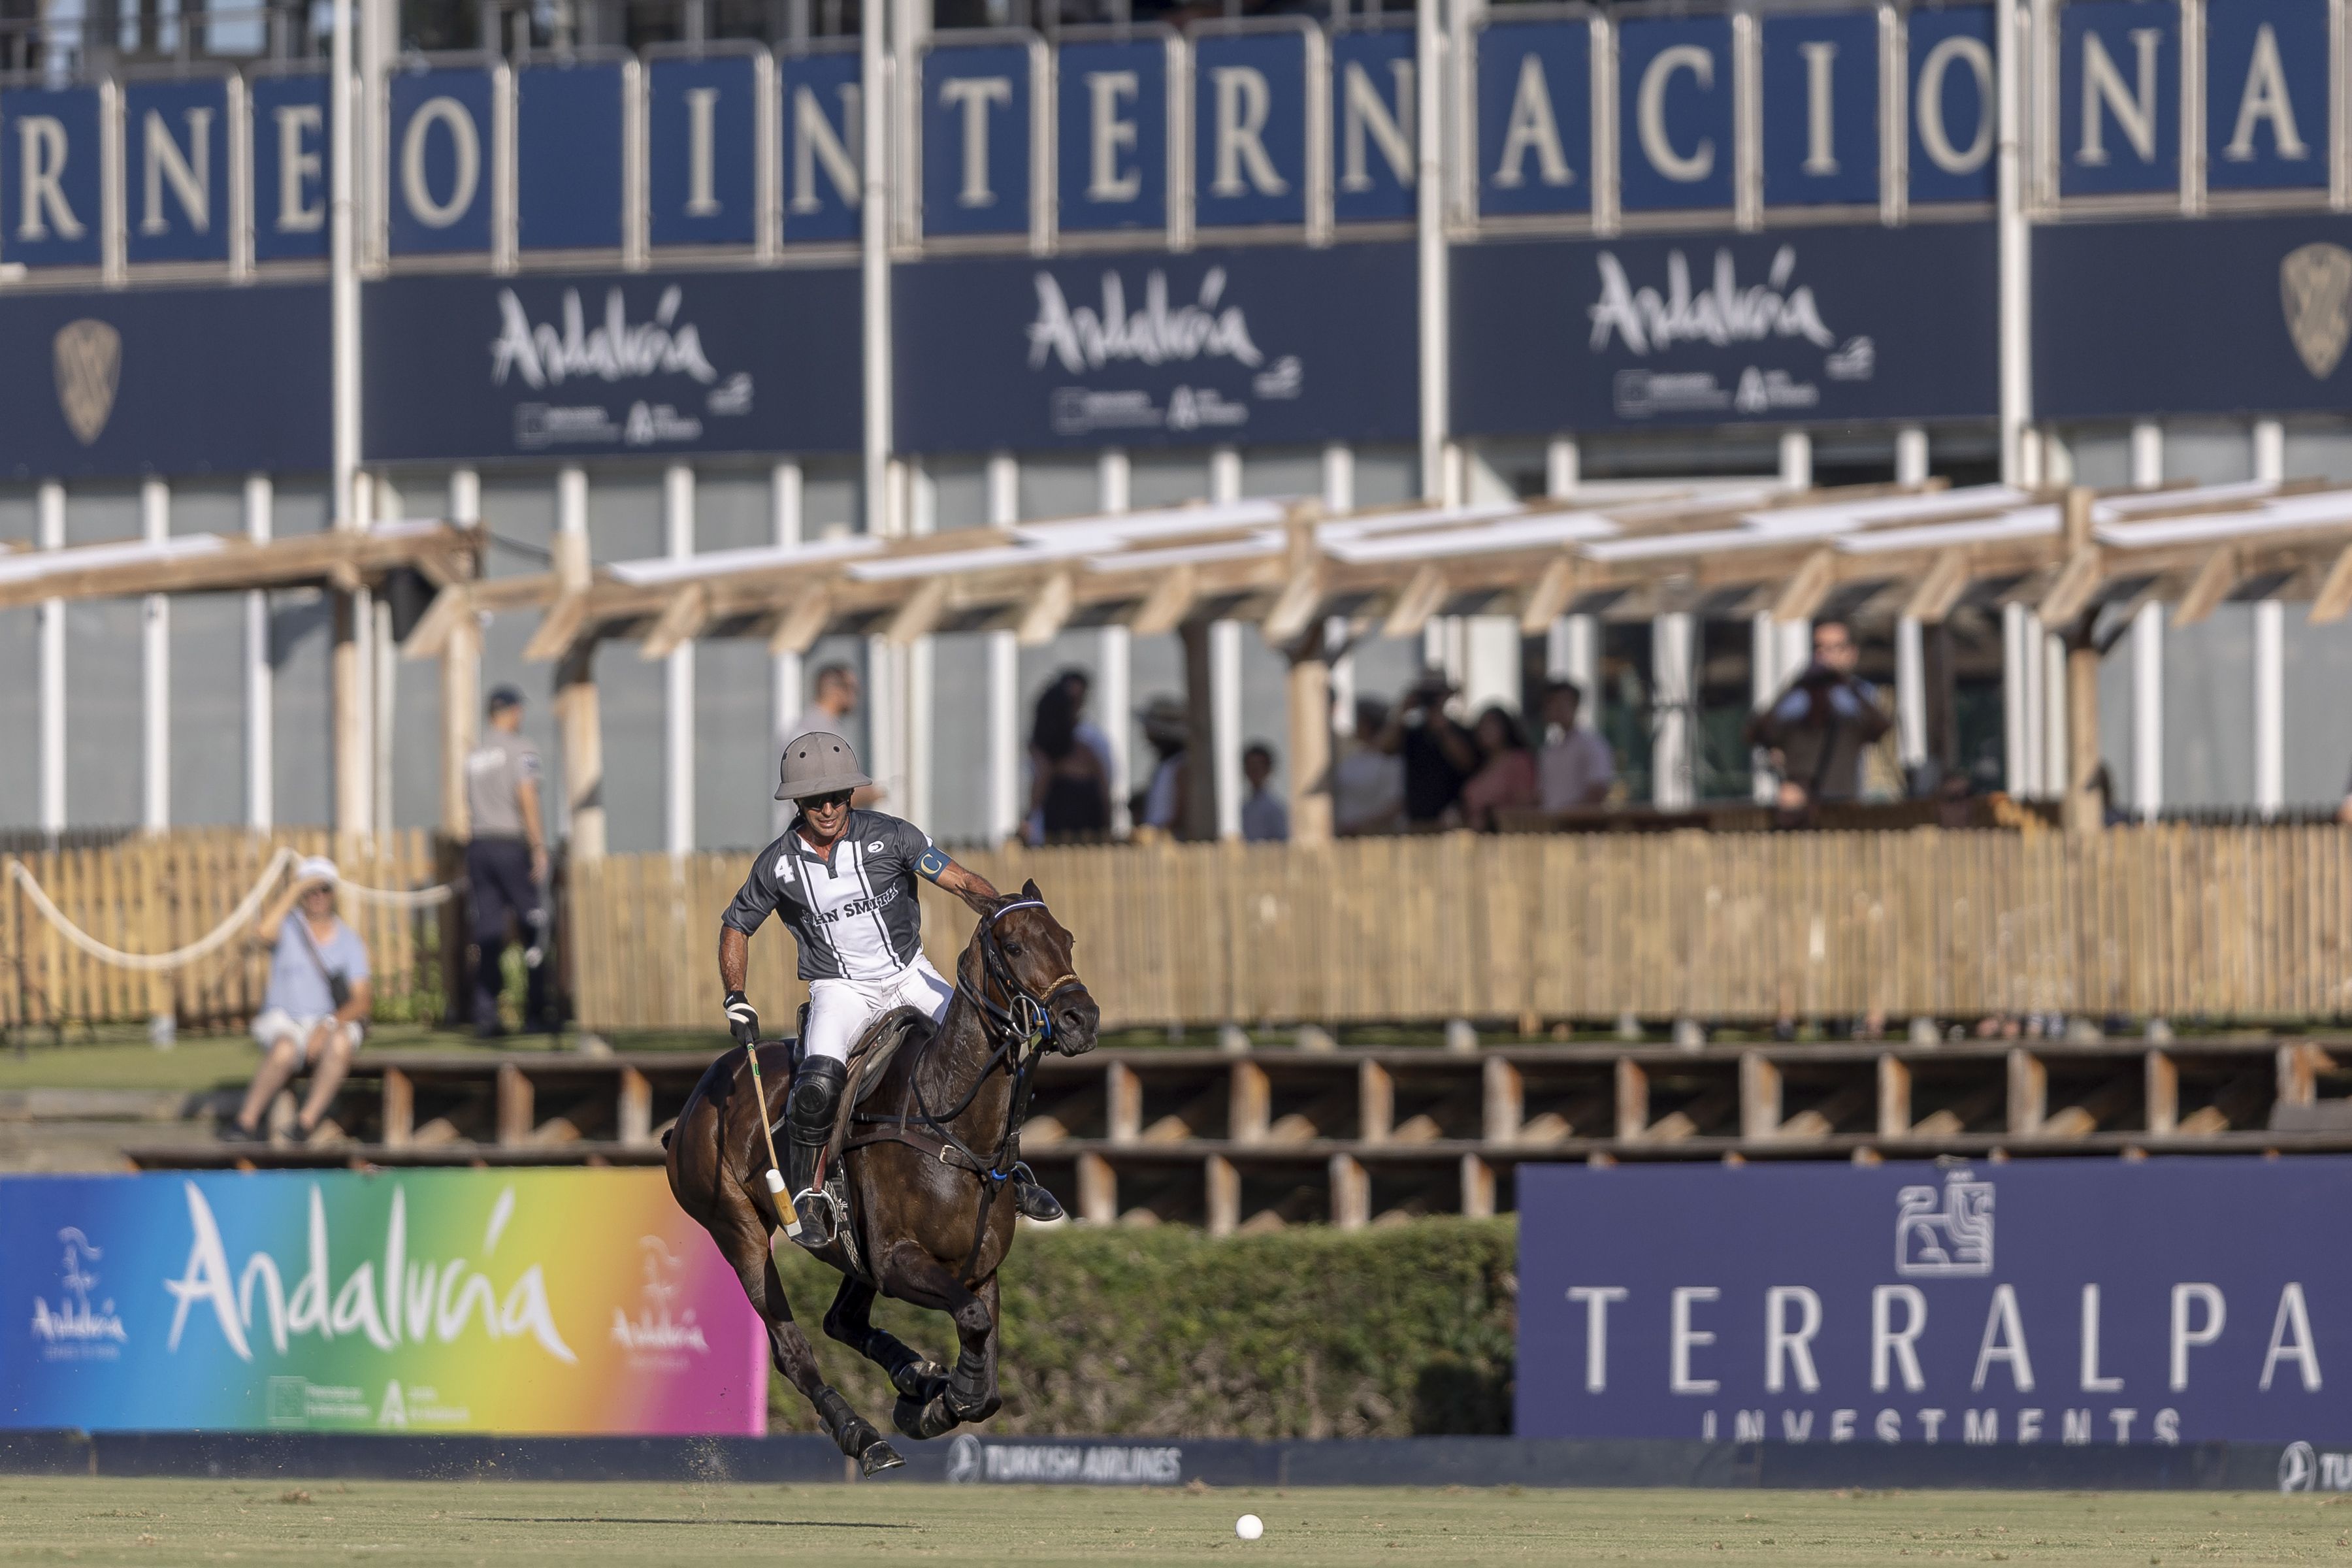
[819, 762]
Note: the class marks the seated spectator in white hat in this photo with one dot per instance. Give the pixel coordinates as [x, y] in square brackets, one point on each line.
[317, 1004]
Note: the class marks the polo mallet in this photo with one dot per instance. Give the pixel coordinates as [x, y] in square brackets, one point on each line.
[784, 1209]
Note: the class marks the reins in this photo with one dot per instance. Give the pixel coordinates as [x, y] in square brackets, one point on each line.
[1022, 1026]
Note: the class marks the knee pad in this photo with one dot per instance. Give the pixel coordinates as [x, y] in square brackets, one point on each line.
[816, 1095]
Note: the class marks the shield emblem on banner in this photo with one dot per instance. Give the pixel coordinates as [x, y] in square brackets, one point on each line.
[2316, 286]
[89, 359]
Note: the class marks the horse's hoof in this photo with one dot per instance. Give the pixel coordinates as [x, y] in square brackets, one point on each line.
[925, 1420]
[877, 1458]
[920, 1381]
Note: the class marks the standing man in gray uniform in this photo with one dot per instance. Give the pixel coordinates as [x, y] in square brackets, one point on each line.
[843, 881]
[505, 863]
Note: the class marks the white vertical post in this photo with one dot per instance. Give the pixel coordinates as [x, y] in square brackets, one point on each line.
[921, 661]
[1911, 456]
[1429, 233]
[2018, 464]
[783, 669]
[1796, 460]
[2146, 454]
[1114, 655]
[875, 151]
[1910, 691]
[1225, 474]
[2147, 711]
[1338, 479]
[1563, 466]
[2020, 751]
[2051, 696]
[155, 652]
[383, 674]
[260, 682]
[2270, 706]
[1670, 683]
[1225, 722]
[1763, 685]
[2270, 451]
[49, 504]
[1341, 674]
[677, 672]
[342, 267]
[1572, 653]
[1008, 804]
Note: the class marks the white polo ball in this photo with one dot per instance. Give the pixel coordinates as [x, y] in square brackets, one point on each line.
[1249, 1527]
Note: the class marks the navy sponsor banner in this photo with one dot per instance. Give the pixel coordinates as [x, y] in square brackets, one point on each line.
[2118, 97]
[1374, 159]
[1535, 118]
[164, 381]
[2192, 316]
[1819, 324]
[1674, 112]
[291, 131]
[176, 170]
[591, 365]
[2266, 116]
[1821, 108]
[1257, 345]
[824, 127]
[568, 156]
[2055, 1301]
[1111, 151]
[1249, 127]
[1955, 109]
[441, 146]
[50, 211]
[701, 164]
[977, 110]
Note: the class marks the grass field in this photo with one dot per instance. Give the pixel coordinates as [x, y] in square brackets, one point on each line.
[514, 1525]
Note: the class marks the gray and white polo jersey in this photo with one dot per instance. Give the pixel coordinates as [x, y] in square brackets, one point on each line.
[853, 911]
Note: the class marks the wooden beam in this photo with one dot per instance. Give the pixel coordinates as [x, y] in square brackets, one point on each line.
[1310, 690]
[1165, 608]
[1548, 597]
[1421, 598]
[1293, 610]
[1049, 611]
[430, 634]
[2334, 600]
[1948, 578]
[558, 629]
[2213, 581]
[2078, 580]
[681, 622]
[1802, 594]
[919, 613]
[803, 621]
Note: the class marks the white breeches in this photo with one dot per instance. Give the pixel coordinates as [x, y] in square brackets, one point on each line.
[840, 1010]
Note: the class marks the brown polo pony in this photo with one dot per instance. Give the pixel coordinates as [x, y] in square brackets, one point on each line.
[927, 1162]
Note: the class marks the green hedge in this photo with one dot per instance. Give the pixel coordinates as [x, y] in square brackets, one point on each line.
[1308, 1332]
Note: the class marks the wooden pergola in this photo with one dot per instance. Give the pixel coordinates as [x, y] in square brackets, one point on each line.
[1622, 551]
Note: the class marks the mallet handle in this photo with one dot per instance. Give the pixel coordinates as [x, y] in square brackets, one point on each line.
[784, 1209]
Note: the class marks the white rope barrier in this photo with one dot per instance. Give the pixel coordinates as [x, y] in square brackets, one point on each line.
[221, 934]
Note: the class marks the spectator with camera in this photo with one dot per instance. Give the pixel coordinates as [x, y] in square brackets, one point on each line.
[1815, 733]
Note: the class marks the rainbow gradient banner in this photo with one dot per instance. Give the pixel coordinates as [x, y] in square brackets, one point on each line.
[525, 1302]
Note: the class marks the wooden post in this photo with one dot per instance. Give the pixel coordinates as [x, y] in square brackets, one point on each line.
[349, 674]
[1352, 1192]
[1893, 1098]
[399, 1109]
[578, 712]
[1252, 1101]
[1310, 738]
[1223, 1194]
[514, 1107]
[1123, 1103]
[1506, 1100]
[2085, 811]
[1478, 1188]
[461, 704]
[1097, 1190]
[633, 1113]
[1633, 1100]
[2029, 1092]
[1760, 1095]
[1200, 819]
[2163, 1093]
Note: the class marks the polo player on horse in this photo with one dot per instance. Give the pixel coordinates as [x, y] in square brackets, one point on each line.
[843, 881]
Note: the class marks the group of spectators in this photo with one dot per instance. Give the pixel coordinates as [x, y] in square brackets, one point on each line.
[1414, 765]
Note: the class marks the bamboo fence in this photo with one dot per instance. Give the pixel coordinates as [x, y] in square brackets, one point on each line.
[2222, 923]
[153, 893]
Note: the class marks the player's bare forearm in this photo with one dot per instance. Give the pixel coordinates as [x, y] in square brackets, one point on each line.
[734, 958]
[971, 887]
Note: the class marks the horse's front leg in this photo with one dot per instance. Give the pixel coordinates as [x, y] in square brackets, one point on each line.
[970, 1392]
[850, 1320]
[745, 1244]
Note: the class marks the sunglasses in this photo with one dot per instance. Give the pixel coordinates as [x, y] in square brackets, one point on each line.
[825, 802]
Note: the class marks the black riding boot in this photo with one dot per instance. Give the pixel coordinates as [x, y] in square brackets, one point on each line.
[1031, 1199]
[808, 1120]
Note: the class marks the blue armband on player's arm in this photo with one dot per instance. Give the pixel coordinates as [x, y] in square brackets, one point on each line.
[932, 863]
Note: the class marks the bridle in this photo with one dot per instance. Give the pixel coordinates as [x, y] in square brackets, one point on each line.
[1023, 1018]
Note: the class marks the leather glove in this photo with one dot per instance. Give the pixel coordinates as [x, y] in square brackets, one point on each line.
[742, 1019]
